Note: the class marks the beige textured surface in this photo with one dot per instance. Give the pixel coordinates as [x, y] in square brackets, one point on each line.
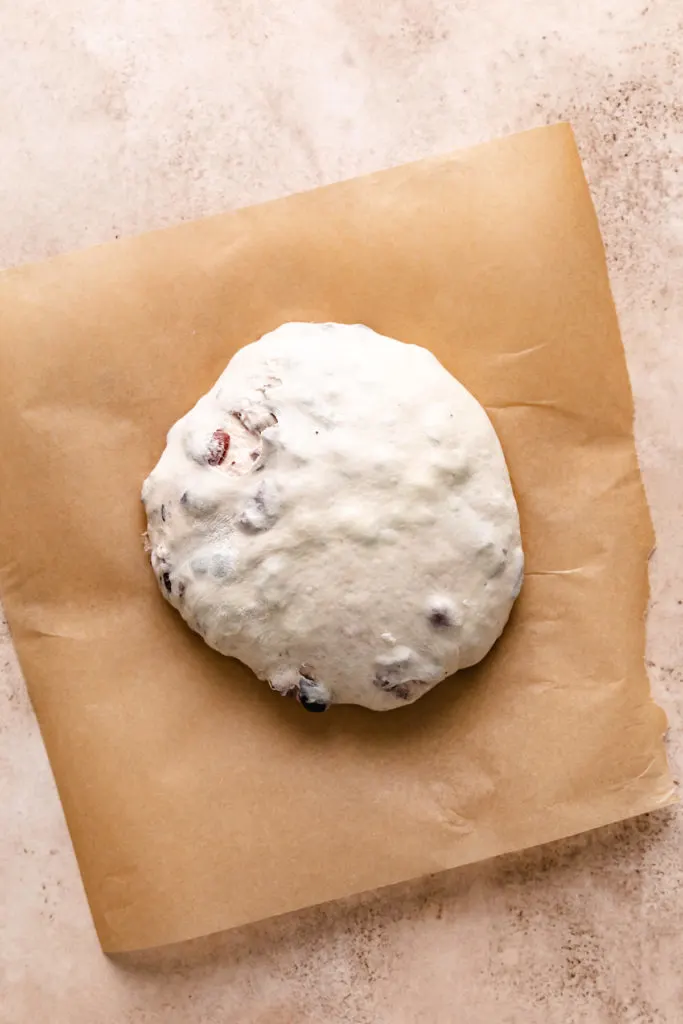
[118, 118]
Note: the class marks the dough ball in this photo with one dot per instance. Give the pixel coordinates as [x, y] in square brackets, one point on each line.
[336, 513]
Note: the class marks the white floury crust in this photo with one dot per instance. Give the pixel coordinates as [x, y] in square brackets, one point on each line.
[337, 513]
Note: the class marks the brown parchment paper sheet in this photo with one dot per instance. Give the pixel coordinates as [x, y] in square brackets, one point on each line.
[198, 800]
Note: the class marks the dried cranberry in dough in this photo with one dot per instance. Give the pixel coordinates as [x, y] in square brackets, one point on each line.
[336, 513]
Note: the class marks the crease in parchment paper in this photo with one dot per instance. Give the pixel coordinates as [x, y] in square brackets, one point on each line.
[582, 569]
[39, 633]
[548, 406]
[196, 799]
[523, 353]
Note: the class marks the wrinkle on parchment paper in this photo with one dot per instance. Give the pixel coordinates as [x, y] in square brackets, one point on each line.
[196, 800]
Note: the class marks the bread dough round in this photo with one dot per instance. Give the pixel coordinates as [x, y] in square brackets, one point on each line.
[337, 513]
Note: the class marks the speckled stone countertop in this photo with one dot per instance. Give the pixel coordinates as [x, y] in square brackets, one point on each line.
[120, 117]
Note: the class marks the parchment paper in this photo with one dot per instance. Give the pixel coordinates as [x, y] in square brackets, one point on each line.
[198, 800]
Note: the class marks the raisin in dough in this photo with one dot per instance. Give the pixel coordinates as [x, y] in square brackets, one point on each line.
[337, 513]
